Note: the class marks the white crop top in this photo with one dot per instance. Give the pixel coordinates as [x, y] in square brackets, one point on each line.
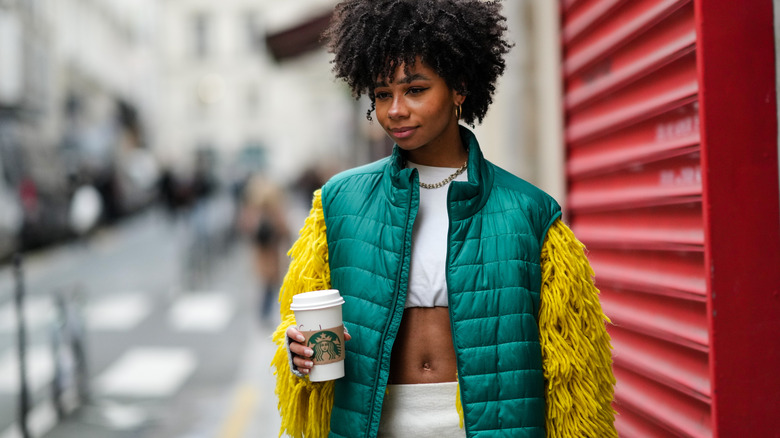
[427, 279]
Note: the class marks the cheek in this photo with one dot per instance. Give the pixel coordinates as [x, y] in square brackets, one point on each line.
[380, 111]
[431, 109]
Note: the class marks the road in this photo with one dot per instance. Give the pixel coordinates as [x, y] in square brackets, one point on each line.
[170, 353]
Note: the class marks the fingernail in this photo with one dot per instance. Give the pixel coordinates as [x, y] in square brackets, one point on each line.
[300, 338]
[308, 364]
[304, 371]
[308, 351]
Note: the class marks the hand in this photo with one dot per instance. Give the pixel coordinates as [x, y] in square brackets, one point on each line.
[302, 353]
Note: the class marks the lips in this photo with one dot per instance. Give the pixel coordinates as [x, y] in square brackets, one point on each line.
[402, 132]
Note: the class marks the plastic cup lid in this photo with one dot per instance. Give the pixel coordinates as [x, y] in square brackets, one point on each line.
[318, 299]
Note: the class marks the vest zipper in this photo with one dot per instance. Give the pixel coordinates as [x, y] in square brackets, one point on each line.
[449, 307]
[395, 299]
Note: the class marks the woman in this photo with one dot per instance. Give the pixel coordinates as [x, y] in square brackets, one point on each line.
[263, 218]
[471, 305]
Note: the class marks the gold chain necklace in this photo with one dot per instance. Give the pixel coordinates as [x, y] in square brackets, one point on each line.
[446, 180]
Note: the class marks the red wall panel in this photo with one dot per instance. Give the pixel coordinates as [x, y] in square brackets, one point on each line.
[681, 368]
[675, 180]
[667, 227]
[671, 133]
[647, 97]
[741, 213]
[662, 273]
[671, 145]
[615, 28]
[664, 408]
[635, 189]
[663, 43]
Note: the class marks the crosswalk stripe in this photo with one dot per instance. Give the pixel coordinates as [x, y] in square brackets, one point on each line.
[40, 368]
[118, 312]
[202, 312]
[147, 372]
[12, 432]
[197, 312]
[40, 420]
[38, 312]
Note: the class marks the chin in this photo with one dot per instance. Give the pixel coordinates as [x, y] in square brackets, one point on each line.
[407, 146]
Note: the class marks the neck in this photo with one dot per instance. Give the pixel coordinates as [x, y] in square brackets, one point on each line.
[448, 151]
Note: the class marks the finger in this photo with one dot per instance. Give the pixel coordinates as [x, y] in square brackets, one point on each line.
[301, 350]
[294, 334]
[302, 364]
[347, 336]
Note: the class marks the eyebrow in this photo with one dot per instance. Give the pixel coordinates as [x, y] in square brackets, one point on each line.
[404, 80]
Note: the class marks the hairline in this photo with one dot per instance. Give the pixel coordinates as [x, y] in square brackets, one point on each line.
[406, 79]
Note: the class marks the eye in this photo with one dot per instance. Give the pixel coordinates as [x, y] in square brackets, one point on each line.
[416, 90]
[381, 95]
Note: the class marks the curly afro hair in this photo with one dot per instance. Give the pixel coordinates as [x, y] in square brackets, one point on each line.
[462, 40]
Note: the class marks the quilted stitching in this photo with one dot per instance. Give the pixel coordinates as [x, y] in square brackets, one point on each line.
[494, 276]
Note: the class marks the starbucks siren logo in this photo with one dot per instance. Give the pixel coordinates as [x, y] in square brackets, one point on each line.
[326, 346]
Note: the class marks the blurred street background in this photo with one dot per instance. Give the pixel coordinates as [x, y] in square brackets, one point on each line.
[156, 160]
[157, 157]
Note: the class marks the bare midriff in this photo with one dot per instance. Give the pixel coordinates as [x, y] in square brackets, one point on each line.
[423, 351]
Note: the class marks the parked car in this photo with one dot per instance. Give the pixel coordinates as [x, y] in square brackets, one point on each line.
[11, 217]
[36, 191]
[45, 190]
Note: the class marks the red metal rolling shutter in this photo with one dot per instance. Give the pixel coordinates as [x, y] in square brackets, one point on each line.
[633, 72]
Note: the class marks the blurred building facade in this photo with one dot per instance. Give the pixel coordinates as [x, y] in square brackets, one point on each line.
[522, 131]
[76, 102]
[225, 94]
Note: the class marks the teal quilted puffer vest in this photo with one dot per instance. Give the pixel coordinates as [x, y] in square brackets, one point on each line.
[497, 226]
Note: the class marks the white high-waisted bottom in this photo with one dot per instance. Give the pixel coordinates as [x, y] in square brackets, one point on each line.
[420, 410]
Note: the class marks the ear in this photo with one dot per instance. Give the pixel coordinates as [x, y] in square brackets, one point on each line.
[458, 98]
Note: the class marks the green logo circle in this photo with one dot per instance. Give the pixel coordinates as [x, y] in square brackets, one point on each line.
[326, 346]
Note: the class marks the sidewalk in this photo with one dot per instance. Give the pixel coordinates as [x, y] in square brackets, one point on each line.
[243, 408]
[253, 412]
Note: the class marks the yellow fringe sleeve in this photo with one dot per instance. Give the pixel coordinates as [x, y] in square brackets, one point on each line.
[304, 406]
[576, 350]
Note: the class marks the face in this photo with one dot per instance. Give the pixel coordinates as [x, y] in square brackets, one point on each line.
[417, 110]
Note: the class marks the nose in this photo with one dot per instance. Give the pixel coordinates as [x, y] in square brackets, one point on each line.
[397, 108]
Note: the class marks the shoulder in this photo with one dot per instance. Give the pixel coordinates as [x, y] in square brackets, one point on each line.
[370, 169]
[512, 192]
[358, 179]
[512, 184]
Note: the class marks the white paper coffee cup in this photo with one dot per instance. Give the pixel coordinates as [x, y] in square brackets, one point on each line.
[318, 315]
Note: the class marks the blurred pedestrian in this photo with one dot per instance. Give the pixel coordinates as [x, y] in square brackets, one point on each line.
[471, 305]
[170, 192]
[264, 219]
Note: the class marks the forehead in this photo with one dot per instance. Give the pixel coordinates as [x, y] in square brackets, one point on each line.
[406, 72]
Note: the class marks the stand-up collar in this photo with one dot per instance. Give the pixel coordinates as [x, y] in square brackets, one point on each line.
[465, 197]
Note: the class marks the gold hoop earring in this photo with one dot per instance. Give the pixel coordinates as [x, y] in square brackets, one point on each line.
[458, 112]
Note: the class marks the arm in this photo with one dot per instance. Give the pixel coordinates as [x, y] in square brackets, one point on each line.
[575, 344]
[303, 405]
